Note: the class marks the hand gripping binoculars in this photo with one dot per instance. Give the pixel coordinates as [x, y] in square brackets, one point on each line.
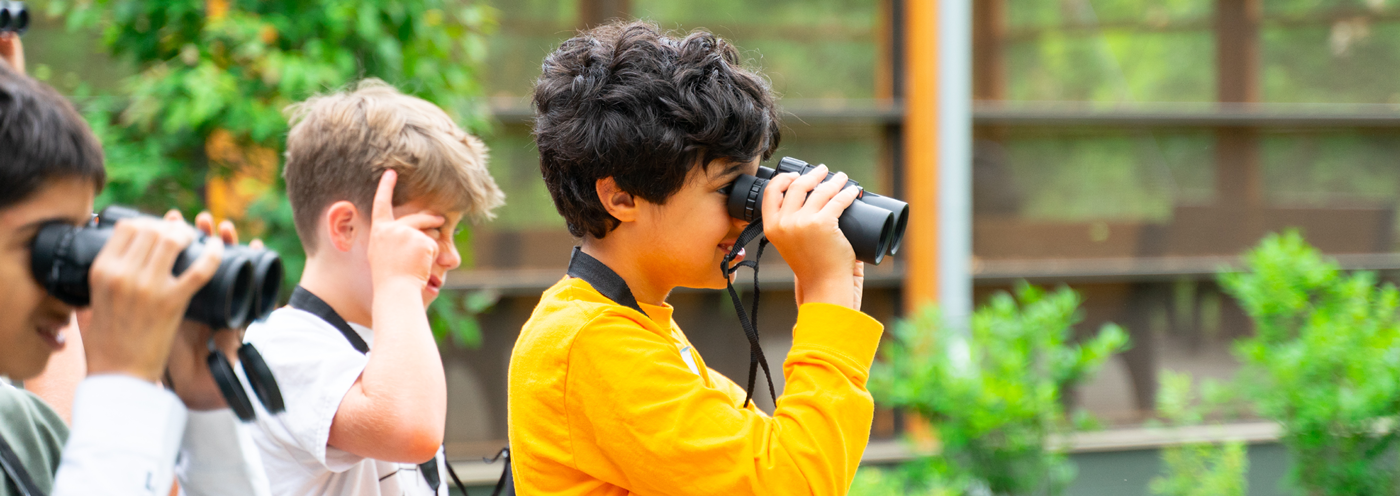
[874, 224]
[244, 288]
[14, 17]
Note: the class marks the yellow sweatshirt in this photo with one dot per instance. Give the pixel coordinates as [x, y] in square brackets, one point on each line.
[605, 400]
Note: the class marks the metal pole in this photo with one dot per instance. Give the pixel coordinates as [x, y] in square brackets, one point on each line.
[955, 160]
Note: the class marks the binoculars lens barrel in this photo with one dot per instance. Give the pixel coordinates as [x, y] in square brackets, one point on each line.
[14, 17]
[243, 289]
[874, 228]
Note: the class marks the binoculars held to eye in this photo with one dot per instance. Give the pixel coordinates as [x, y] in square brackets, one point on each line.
[873, 224]
[244, 288]
[14, 17]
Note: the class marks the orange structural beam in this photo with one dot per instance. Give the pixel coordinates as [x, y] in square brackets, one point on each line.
[921, 248]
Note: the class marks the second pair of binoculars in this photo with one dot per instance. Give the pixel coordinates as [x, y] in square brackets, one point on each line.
[244, 288]
[874, 224]
[14, 17]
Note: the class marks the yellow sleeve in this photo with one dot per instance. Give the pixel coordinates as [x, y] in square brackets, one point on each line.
[640, 419]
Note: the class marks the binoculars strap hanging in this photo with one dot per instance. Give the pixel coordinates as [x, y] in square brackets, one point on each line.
[750, 322]
[15, 472]
[307, 302]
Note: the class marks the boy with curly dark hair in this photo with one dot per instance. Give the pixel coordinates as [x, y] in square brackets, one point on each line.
[640, 135]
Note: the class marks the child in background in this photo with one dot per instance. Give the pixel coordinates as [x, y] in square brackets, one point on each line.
[640, 137]
[378, 182]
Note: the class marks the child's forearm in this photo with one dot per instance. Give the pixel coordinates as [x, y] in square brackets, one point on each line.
[397, 410]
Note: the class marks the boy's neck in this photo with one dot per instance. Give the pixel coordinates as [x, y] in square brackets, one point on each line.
[333, 286]
[616, 254]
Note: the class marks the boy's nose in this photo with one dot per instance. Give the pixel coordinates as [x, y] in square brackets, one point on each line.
[449, 257]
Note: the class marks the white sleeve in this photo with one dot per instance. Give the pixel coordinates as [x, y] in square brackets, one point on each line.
[124, 439]
[218, 457]
[315, 367]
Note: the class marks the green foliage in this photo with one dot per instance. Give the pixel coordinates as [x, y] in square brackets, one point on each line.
[1325, 364]
[206, 67]
[453, 316]
[910, 480]
[1196, 469]
[994, 395]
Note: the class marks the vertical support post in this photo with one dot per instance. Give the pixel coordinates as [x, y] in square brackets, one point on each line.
[595, 12]
[921, 100]
[1238, 180]
[955, 160]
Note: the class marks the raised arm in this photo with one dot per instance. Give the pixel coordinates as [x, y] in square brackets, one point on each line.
[397, 410]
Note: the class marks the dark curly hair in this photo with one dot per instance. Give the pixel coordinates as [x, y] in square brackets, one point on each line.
[41, 138]
[626, 101]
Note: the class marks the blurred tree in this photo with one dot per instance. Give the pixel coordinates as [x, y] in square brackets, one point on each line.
[1196, 469]
[200, 125]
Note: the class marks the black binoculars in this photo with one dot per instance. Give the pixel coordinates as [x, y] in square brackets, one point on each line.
[873, 224]
[244, 288]
[14, 17]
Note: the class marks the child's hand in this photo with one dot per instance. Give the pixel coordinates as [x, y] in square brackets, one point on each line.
[137, 304]
[12, 51]
[399, 251]
[800, 218]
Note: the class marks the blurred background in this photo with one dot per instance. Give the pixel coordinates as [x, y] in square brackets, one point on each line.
[1129, 149]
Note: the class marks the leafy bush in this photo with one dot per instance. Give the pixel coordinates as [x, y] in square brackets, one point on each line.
[993, 395]
[1325, 364]
[1196, 469]
[203, 115]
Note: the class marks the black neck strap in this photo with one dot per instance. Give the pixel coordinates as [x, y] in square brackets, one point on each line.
[602, 278]
[612, 286]
[307, 302]
[14, 470]
[750, 322]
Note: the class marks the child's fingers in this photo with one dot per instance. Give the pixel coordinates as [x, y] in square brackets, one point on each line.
[228, 233]
[824, 192]
[256, 244]
[170, 239]
[383, 209]
[796, 194]
[421, 221]
[202, 270]
[773, 193]
[839, 202]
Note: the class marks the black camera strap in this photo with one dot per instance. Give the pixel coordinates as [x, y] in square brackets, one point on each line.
[15, 472]
[307, 302]
[750, 322]
[602, 278]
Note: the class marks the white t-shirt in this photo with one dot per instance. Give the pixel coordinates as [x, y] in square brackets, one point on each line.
[315, 366]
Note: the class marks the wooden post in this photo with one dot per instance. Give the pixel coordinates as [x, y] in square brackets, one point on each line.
[920, 253]
[595, 12]
[1238, 180]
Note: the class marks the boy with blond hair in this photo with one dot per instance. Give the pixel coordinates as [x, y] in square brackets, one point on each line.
[378, 182]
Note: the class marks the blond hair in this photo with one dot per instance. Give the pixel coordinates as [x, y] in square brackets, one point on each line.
[340, 144]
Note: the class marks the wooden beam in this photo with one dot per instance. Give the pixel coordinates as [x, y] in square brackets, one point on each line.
[920, 254]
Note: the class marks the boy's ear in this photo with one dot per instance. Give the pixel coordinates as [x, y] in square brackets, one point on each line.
[620, 204]
[341, 225]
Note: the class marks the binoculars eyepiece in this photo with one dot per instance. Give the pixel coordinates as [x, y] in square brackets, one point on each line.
[243, 289]
[14, 17]
[874, 224]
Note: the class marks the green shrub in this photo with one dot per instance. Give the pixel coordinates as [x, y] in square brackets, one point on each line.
[993, 394]
[1196, 469]
[1325, 364]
